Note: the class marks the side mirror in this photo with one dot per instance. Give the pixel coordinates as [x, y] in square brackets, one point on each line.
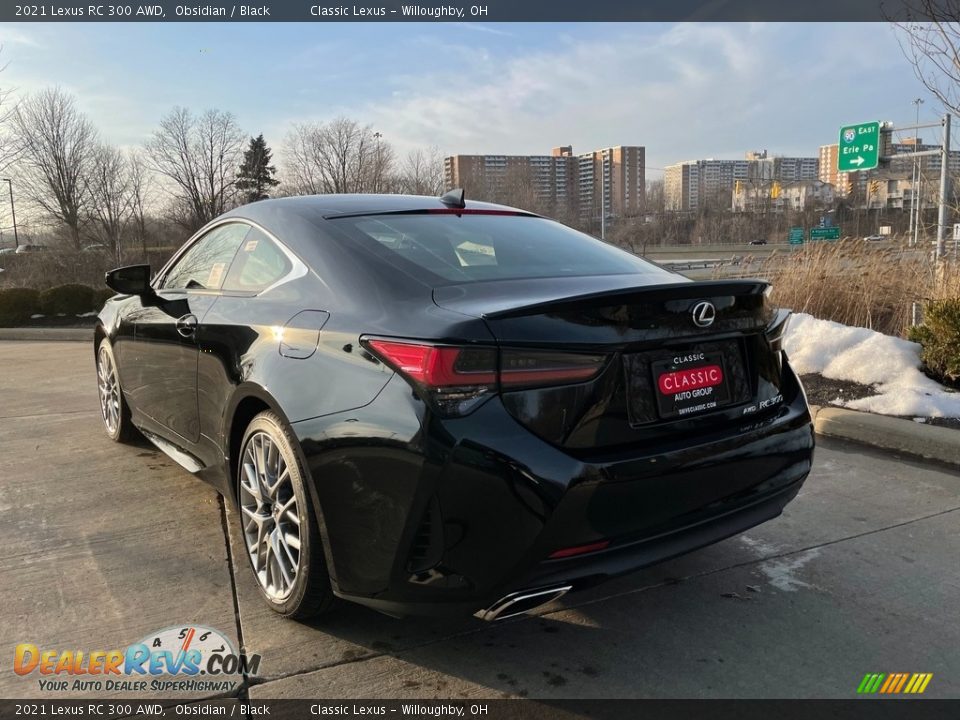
[130, 280]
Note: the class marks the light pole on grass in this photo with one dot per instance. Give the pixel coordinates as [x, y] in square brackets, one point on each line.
[914, 209]
[13, 213]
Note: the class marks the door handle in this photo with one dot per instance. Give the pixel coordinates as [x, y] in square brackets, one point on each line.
[187, 325]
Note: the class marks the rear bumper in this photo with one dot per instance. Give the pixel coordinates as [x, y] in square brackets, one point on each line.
[586, 571]
[462, 513]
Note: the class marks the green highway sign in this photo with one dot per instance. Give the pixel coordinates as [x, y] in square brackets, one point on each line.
[859, 147]
[795, 236]
[830, 233]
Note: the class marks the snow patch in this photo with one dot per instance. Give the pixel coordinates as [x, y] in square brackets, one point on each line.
[891, 365]
[37, 316]
[92, 313]
[782, 572]
[759, 547]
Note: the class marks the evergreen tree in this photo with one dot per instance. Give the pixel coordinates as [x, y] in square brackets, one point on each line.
[256, 174]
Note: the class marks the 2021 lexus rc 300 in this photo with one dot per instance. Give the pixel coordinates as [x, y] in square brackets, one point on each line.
[427, 405]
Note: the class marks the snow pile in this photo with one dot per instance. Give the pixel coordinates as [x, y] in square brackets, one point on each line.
[891, 365]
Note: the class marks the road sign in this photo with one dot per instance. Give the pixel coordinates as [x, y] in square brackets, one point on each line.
[830, 233]
[795, 236]
[859, 147]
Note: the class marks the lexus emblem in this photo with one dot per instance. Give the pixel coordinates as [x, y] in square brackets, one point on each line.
[704, 313]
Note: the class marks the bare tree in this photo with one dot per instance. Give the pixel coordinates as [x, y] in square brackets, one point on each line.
[422, 173]
[929, 35]
[341, 156]
[110, 197]
[199, 156]
[139, 188]
[8, 144]
[656, 198]
[56, 145]
[301, 164]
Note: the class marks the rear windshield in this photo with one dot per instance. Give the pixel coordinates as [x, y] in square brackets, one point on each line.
[468, 248]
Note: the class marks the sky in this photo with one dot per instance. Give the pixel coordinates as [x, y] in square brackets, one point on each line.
[684, 91]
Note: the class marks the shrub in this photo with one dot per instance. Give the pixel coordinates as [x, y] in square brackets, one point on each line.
[100, 296]
[17, 305]
[939, 335]
[72, 299]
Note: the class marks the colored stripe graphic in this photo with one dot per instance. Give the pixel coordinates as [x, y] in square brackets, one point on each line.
[894, 683]
[903, 679]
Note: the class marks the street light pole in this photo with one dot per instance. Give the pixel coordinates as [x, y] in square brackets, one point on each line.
[379, 161]
[914, 211]
[944, 189]
[13, 213]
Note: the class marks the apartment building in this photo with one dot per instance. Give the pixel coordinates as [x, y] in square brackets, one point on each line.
[694, 184]
[828, 173]
[778, 197]
[613, 178]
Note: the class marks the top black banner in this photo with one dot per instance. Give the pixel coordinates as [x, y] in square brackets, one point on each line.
[482, 11]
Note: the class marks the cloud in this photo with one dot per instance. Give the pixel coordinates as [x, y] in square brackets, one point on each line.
[691, 90]
[13, 36]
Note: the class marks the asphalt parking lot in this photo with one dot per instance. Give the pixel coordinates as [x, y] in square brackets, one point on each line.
[106, 543]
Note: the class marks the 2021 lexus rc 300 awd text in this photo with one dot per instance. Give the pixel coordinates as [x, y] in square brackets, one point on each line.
[427, 405]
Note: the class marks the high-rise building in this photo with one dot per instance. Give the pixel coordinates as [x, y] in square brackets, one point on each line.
[573, 181]
[694, 184]
[829, 155]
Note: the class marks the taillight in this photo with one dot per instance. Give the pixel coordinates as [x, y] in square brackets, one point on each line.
[440, 366]
[457, 378]
[538, 368]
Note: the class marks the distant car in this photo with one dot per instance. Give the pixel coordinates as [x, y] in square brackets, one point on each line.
[758, 242]
[874, 238]
[7, 251]
[426, 403]
[22, 249]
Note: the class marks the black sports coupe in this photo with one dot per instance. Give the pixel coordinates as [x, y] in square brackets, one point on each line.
[426, 404]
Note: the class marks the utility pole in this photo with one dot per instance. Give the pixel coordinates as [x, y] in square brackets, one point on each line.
[13, 213]
[378, 168]
[913, 185]
[944, 189]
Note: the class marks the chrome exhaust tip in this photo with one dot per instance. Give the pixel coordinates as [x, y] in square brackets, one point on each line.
[521, 602]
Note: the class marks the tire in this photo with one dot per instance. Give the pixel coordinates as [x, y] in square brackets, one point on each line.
[114, 410]
[276, 516]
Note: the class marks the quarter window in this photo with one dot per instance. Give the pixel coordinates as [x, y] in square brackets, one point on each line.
[258, 265]
[204, 266]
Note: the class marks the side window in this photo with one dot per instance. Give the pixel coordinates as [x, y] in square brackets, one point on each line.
[204, 266]
[259, 264]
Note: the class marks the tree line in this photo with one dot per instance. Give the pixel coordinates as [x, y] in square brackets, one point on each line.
[191, 168]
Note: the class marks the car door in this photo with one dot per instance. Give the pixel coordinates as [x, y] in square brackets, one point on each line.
[165, 330]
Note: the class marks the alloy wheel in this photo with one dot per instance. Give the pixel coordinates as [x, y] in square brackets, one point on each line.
[270, 516]
[109, 389]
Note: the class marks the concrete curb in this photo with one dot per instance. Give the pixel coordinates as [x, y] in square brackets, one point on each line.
[889, 433]
[74, 334]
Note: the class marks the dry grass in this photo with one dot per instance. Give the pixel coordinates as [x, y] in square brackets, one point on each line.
[857, 284]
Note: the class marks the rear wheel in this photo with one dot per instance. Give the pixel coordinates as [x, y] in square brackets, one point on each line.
[280, 532]
[113, 408]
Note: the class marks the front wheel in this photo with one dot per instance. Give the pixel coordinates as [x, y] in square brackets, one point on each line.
[113, 408]
[280, 531]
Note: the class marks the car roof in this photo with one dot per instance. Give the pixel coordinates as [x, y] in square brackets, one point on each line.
[316, 207]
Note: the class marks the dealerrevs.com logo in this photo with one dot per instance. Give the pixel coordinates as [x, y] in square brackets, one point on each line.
[190, 658]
